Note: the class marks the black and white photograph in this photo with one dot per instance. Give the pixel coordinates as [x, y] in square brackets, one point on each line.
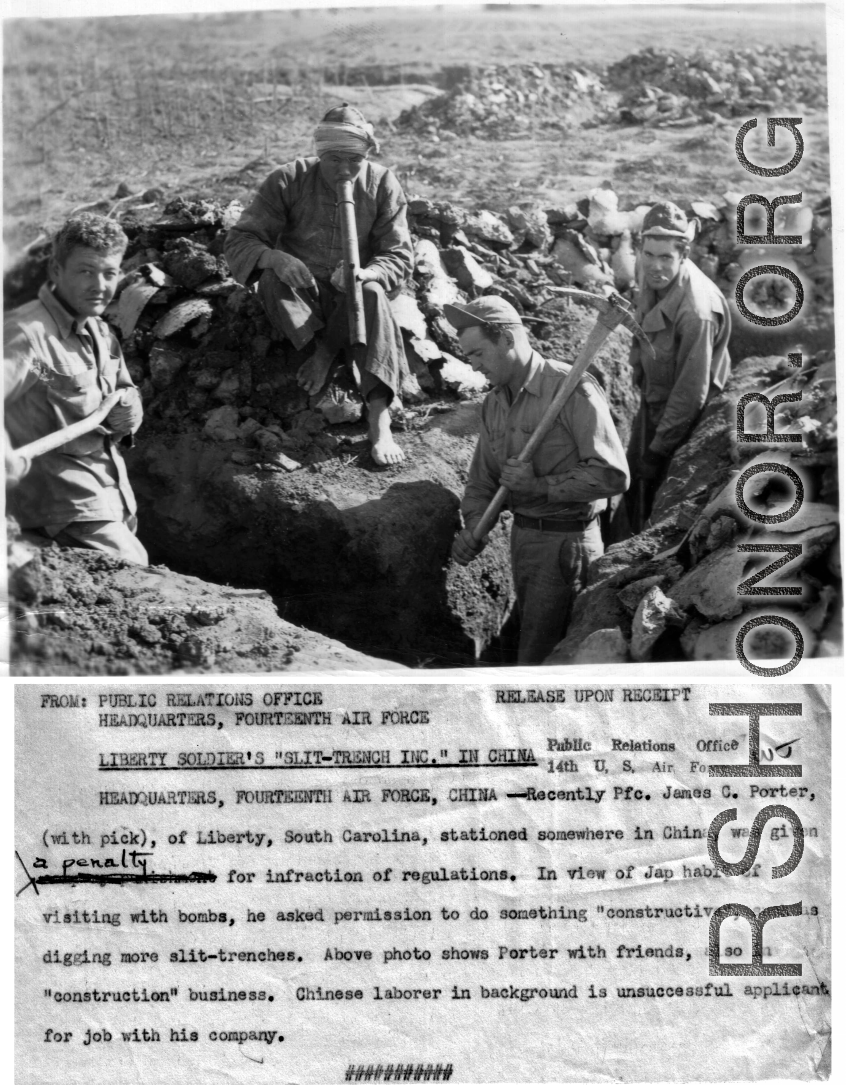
[422, 611]
[420, 337]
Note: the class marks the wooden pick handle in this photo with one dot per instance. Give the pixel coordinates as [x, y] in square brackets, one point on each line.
[61, 437]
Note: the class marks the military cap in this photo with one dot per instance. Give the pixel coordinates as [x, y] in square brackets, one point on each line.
[665, 219]
[490, 309]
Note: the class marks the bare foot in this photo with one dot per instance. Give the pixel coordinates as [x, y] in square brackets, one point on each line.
[387, 451]
[314, 371]
[384, 448]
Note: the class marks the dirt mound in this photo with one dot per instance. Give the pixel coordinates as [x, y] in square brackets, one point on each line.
[654, 87]
[670, 593]
[80, 612]
[664, 86]
[195, 341]
[359, 554]
[242, 477]
[202, 352]
[510, 99]
[718, 253]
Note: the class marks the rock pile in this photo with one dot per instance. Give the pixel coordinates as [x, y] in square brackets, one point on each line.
[661, 87]
[508, 100]
[201, 350]
[240, 476]
[595, 240]
[234, 458]
[718, 254]
[655, 87]
[671, 592]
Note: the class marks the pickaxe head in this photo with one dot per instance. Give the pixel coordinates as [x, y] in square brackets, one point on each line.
[613, 310]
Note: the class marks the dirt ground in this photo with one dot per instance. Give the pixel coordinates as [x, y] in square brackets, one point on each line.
[202, 107]
[86, 613]
[202, 103]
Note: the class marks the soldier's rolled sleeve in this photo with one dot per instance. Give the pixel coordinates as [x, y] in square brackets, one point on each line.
[691, 387]
[601, 470]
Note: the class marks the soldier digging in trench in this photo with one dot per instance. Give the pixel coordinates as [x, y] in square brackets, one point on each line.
[687, 320]
[556, 496]
[289, 238]
[61, 363]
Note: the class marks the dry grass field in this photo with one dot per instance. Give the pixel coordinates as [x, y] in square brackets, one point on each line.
[186, 103]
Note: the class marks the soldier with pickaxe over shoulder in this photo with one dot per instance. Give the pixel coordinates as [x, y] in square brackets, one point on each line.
[686, 324]
[70, 403]
[549, 451]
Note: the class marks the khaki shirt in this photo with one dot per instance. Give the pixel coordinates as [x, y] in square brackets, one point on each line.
[689, 329]
[297, 211]
[58, 370]
[581, 457]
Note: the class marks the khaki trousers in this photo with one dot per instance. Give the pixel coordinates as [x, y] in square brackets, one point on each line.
[110, 536]
[549, 569]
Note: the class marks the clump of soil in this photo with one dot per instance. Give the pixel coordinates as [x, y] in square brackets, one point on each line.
[671, 591]
[361, 555]
[81, 612]
[664, 86]
[656, 87]
[505, 99]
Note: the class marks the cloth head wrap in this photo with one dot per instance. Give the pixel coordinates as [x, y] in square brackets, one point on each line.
[346, 137]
